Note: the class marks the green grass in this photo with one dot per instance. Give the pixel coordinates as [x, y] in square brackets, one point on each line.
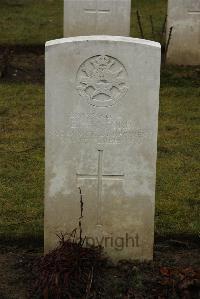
[22, 132]
[22, 160]
[30, 22]
[178, 167]
[155, 8]
[22, 153]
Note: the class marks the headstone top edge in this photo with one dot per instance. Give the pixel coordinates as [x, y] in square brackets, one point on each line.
[107, 0]
[102, 38]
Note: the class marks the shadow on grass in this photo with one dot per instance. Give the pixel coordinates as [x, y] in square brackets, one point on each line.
[21, 242]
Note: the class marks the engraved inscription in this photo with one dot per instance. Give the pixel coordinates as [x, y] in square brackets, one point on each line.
[103, 128]
[102, 81]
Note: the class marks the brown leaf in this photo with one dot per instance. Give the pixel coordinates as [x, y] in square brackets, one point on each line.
[165, 271]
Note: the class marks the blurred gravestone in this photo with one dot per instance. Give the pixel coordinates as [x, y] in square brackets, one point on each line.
[91, 17]
[184, 47]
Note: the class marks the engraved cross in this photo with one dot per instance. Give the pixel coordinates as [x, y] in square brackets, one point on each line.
[195, 12]
[97, 12]
[100, 177]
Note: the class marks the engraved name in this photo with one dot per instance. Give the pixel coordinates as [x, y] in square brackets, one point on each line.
[101, 129]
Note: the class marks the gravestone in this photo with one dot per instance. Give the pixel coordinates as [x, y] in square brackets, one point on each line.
[93, 17]
[184, 47]
[102, 99]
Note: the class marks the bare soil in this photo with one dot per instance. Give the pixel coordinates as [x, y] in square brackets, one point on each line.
[22, 64]
[174, 273]
[127, 279]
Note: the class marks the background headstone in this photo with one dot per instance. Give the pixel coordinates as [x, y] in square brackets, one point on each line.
[184, 16]
[102, 99]
[91, 17]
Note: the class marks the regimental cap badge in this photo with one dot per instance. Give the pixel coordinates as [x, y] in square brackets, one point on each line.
[102, 80]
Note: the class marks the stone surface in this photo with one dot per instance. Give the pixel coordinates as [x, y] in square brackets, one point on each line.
[102, 99]
[184, 16]
[91, 17]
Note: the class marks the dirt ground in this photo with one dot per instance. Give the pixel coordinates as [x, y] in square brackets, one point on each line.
[124, 280]
[174, 273]
[22, 64]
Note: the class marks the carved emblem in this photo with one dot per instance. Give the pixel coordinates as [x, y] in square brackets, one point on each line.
[102, 81]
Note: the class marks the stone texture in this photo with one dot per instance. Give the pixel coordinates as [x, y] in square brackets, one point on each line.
[91, 17]
[102, 99]
[184, 16]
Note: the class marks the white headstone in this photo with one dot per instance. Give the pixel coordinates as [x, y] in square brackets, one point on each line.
[102, 99]
[91, 17]
[184, 16]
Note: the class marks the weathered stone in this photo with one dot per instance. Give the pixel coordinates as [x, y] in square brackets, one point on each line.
[91, 17]
[184, 47]
[102, 99]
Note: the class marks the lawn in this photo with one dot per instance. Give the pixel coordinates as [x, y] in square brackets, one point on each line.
[148, 9]
[28, 22]
[178, 171]
[22, 160]
[32, 22]
[22, 154]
